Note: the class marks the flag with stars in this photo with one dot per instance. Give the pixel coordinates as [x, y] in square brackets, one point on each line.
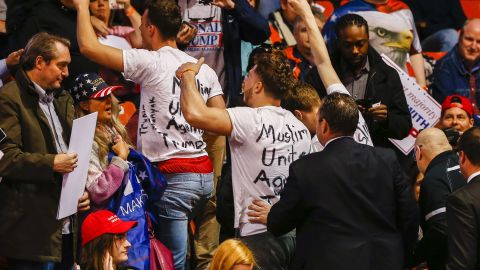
[90, 86]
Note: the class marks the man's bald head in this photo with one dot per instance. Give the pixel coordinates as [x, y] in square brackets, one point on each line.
[430, 143]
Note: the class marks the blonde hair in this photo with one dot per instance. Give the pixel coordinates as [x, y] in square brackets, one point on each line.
[230, 253]
[102, 137]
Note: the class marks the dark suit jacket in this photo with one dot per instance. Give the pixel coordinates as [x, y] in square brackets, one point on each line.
[352, 208]
[383, 85]
[463, 220]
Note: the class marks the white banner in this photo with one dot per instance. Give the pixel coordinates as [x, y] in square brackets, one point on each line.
[424, 110]
[73, 186]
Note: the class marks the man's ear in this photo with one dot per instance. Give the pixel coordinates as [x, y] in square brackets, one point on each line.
[298, 114]
[258, 87]
[39, 62]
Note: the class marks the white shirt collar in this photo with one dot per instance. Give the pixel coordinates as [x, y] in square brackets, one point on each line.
[473, 176]
[336, 138]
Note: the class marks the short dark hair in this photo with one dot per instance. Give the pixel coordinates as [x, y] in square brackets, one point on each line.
[42, 44]
[166, 16]
[341, 113]
[275, 72]
[469, 143]
[350, 19]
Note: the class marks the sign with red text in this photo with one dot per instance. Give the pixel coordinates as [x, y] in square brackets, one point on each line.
[424, 110]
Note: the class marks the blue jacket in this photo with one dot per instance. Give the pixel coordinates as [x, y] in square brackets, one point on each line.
[450, 76]
[240, 23]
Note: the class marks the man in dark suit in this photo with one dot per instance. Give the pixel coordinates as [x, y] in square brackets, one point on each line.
[351, 204]
[463, 207]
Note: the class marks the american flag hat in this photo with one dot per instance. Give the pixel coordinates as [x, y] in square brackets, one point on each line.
[90, 86]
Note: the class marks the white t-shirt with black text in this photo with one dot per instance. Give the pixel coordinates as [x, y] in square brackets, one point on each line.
[263, 143]
[163, 132]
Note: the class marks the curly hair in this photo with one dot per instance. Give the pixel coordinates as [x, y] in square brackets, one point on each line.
[275, 72]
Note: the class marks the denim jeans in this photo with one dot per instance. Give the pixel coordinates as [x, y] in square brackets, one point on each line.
[441, 41]
[185, 196]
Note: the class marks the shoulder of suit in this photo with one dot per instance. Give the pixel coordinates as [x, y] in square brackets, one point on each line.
[384, 152]
[470, 192]
[10, 91]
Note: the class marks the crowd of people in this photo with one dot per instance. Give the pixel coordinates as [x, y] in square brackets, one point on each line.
[253, 143]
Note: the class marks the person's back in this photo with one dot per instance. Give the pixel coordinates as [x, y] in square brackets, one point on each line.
[163, 131]
[355, 222]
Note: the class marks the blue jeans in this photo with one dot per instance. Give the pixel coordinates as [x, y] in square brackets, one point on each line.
[185, 196]
[441, 41]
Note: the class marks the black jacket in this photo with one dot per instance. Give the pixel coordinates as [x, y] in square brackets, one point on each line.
[383, 85]
[352, 208]
[442, 177]
[463, 220]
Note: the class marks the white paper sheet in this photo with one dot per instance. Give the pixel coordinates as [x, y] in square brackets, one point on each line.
[73, 184]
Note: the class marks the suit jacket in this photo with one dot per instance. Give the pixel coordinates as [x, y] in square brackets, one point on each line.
[463, 220]
[352, 208]
[30, 189]
[383, 85]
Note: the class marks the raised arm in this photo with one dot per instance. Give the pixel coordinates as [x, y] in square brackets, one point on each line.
[194, 109]
[89, 45]
[317, 44]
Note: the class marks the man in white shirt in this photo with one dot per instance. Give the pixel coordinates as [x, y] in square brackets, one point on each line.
[163, 134]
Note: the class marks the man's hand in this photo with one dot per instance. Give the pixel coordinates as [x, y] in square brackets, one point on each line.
[101, 29]
[126, 3]
[14, 58]
[186, 34]
[80, 3]
[259, 213]
[189, 67]
[84, 202]
[379, 112]
[299, 6]
[65, 163]
[226, 4]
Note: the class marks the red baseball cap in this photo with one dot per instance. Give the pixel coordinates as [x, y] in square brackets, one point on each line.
[458, 102]
[101, 222]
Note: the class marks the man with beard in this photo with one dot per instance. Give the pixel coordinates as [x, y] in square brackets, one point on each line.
[373, 84]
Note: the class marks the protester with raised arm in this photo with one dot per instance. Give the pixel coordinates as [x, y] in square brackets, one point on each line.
[176, 147]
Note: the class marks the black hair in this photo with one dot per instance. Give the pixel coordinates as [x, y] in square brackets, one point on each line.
[341, 113]
[469, 143]
[165, 15]
[350, 19]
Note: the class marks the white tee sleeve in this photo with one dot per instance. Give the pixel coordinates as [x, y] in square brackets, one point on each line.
[244, 122]
[362, 135]
[216, 88]
[138, 65]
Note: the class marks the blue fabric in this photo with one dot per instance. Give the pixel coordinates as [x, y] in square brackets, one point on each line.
[184, 198]
[329, 28]
[451, 77]
[441, 41]
[143, 186]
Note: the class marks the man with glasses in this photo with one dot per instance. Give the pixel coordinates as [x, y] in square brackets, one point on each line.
[439, 164]
[463, 207]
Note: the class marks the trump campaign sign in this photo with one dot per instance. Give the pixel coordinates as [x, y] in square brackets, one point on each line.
[424, 110]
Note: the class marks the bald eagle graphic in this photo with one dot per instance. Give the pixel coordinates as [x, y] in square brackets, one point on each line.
[389, 34]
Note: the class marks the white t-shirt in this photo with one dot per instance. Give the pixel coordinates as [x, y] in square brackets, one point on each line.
[263, 143]
[163, 132]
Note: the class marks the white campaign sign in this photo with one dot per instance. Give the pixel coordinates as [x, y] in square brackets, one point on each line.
[424, 110]
[73, 184]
